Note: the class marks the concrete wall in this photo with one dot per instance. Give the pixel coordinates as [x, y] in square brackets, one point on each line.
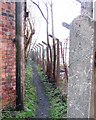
[80, 67]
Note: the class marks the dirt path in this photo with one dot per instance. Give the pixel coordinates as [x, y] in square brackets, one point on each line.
[43, 102]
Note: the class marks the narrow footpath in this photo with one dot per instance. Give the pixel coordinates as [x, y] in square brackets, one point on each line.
[43, 103]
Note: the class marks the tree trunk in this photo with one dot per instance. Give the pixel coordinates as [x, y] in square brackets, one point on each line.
[54, 48]
[49, 70]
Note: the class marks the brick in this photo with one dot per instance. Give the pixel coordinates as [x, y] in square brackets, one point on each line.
[4, 14]
[8, 52]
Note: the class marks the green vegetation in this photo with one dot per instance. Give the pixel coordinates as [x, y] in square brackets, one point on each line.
[30, 100]
[30, 96]
[58, 103]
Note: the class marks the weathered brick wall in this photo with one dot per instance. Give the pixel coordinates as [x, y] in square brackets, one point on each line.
[7, 52]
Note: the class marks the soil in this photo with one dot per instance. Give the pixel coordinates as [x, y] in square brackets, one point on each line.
[43, 103]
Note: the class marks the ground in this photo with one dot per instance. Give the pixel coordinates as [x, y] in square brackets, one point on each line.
[43, 103]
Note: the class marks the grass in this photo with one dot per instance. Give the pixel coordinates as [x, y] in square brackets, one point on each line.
[30, 96]
[30, 102]
[57, 101]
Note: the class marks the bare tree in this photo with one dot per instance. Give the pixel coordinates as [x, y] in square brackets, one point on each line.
[54, 47]
[49, 64]
[49, 61]
[29, 32]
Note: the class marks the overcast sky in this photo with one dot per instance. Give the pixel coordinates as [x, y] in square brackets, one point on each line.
[64, 11]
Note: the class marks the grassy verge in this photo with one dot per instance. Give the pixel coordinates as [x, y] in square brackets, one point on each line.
[30, 96]
[57, 101]
[30, 102]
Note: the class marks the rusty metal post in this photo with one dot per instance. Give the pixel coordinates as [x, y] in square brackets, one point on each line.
[58, 63]
[45, 67]
[39, 55]
[37, 60]
[58, 59]
[42, 55]
[34, 55]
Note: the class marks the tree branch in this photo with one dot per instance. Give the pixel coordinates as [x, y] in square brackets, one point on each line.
[40, 10]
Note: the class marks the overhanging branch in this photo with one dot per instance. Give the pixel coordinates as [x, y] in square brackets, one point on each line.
[40, 10]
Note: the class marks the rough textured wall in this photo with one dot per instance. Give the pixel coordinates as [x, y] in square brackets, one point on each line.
[86, 7]
[8, 52]
[80, 67]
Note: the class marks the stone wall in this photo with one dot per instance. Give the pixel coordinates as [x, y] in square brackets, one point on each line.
[7, 53]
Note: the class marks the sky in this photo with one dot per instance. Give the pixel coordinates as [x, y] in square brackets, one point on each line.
[63, 11]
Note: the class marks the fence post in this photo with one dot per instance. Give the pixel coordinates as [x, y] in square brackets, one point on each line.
[81, 68]
[20, 66]
[58, 62]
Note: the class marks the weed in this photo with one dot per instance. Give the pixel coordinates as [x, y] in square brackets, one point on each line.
[30, 101]
[58, 103]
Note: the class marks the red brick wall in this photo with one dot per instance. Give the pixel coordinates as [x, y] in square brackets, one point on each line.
[7, 53]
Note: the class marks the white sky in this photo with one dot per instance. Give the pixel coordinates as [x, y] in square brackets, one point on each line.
[64, 11]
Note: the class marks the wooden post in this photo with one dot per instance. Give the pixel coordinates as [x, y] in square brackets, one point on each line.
[20, 66]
